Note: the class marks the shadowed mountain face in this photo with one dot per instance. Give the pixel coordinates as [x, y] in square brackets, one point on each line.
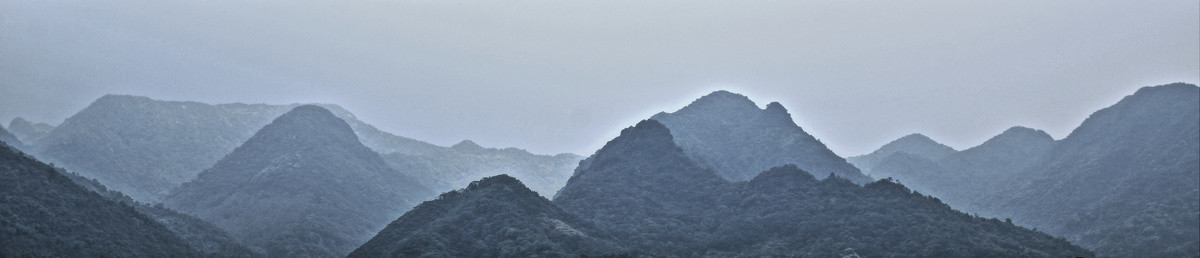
[28, 131]
[494, 217]
[914, 144]
[146, 147]
[302, 186]
[643, 190]
[728, 133]
[43, 213]
[1126, 182]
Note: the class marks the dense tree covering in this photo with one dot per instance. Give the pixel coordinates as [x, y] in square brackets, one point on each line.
[494, 217]
[642, 189]
[446, 169]
[43, 213]
[302, 186]
[728, 133]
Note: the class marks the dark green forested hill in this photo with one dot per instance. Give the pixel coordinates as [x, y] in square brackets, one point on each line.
[43, 213]
[493, 217]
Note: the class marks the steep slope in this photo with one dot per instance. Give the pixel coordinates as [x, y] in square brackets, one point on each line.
[27, 131]
[42, 213]
[446, 169]
[200, 235]
[915, 144]
[145, 147]
[728, 133]
[993, 168]
[643, 190]
[1136, 160]
[301, 186]
[493, 217]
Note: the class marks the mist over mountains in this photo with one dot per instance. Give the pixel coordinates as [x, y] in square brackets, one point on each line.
[1124, 183]
[718, 177]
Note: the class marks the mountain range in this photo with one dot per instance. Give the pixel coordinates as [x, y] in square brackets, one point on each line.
[640, 195]
[1125, 183]
[145, 147]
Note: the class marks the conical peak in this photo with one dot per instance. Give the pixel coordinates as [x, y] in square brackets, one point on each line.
[647, 129]
[311, 123]
[466, 145]
[646, 138]
[1026, 133]
[784, 174]
[911, 141]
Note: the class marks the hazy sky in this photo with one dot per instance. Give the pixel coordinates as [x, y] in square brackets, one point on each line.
[566, 76]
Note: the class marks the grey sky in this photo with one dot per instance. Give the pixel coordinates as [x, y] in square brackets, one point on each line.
[565, 76]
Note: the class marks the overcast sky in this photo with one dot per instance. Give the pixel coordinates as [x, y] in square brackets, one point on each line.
[566, 76]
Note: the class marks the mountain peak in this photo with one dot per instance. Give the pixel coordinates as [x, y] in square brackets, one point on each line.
[646, 133]
[466, 145]
[721, 100]
[787, 175]
[309, 124]
[1021, 132]
[918, 144]
[502, 181]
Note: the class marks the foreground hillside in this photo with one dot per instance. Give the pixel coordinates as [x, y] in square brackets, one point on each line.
[43, 213]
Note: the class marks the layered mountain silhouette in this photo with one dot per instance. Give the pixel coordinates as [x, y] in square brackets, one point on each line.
[1125, 183]
[967, 179]
[303, 185]
[43, 213]
[728, 133]
[28, 131]
[145, 147]
[643, 190]
[493, 217]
